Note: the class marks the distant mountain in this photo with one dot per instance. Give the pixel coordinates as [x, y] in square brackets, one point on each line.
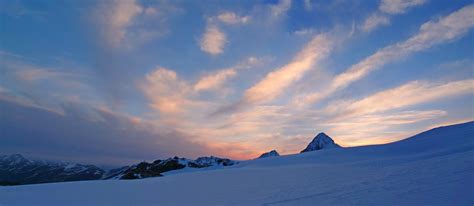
[435, 166]
[16, 169]
[272, 153]
[321, 141]
[156, 168]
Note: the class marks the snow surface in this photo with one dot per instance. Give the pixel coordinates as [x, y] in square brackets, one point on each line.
[432, 168]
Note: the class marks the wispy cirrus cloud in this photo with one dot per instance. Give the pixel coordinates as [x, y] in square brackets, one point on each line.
[34, 74]
[229, 17]
[122, 96]
[33, 83]
[412, 93]
[431, 33]
[169, 94]
[216, 80]
[116, 18]
[373, 21]
[214, 39]
[280, 8]
[398, 6]
[360, 130]
[275, 82]
[122, 24]
[386, 9]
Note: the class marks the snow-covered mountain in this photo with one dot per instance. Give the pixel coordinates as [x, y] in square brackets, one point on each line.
[321, 141]
[272, 153]
[431, 168]
[158, 167]
[16, 169]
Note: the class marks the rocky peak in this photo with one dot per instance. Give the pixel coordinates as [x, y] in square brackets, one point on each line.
[321, 141]
[272, 153]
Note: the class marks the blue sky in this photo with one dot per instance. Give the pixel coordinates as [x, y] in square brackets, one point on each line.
[114, 82]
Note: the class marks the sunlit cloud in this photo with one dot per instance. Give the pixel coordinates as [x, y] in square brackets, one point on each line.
[360, 130]
[275, 82]
[169, 94]
[374, 21]
[412, 93]
[216, 80]
[116, 18]
[398, 6]
[387, 8]
[166, 91]
[213, 40]
[229, 17]
[236, 80]
[430, 34]
[124, 24]
[280, 8]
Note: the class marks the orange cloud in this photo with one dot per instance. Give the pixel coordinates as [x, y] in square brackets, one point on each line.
[430, 34]
[276, 81]
[234, 150]
[214, 81]
[412, 93]
[166, 92]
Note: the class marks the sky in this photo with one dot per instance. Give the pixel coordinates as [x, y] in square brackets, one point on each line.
[116, 82]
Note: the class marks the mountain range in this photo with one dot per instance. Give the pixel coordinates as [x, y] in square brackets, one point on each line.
[16, 169]
[430, 168]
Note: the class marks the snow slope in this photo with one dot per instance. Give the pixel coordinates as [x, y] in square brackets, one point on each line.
[432, 168]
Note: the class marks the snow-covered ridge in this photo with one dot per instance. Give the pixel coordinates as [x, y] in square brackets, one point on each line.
[16, 169]
[158, 167]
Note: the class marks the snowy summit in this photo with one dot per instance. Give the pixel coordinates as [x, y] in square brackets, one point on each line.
[321, 141]
[272, 153]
